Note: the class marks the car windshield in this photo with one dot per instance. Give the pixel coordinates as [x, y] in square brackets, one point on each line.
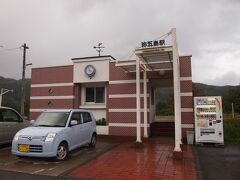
[52, 119]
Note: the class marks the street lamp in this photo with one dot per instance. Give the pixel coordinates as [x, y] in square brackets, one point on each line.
[4, 91]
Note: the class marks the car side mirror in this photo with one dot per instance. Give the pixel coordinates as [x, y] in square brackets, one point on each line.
[32, 122]
[73, 122]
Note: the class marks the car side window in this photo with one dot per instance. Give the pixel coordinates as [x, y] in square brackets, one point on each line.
[77, 116]
[86, 117]
[1, 116]
[9, 116]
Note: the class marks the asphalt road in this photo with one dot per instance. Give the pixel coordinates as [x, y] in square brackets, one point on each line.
[218, 163]
[10, 175]
[13, 167]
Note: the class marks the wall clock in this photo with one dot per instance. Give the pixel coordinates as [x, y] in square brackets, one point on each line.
[90, 70]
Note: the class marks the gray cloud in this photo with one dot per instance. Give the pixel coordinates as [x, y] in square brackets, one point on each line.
[226, 79]
[59, 30]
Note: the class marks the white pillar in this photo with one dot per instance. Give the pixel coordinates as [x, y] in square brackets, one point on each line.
[1, 94]
[177, 100]
[180, 113]
[138, 108]
[145, 102]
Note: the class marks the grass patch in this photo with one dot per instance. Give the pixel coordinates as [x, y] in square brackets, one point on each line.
[232, 131]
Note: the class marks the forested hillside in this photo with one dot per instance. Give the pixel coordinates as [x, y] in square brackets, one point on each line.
[13, 99]
[230, 94]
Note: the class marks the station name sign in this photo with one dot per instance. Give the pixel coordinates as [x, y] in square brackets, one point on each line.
[146, 44]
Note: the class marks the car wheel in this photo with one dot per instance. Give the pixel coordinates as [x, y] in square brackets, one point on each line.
[93, 141]
[62, 152]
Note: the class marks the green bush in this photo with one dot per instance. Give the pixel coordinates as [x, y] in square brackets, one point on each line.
[101, 122]
[232, 131]
[164, 112]
[163, 109]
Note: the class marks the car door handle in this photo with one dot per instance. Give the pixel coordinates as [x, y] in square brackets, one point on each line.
[7, 125]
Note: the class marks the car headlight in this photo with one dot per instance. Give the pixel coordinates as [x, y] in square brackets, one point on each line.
[16, 137]
[50, 137]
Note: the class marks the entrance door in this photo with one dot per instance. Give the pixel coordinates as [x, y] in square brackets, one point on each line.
[162, 108]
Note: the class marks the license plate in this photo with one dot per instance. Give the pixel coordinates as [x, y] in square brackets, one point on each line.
[23, 148]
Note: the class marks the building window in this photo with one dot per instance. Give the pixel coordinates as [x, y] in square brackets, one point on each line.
[90, 94]
[95, 94]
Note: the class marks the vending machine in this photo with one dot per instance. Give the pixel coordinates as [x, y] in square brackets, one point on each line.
[208, 119]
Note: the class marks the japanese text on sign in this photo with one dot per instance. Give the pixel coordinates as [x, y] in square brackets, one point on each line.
[153, 43]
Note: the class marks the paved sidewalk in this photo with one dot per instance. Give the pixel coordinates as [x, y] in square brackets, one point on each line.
[154, 161]
[218, 163]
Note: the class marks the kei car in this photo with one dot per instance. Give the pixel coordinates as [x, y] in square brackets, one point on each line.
[55, 133]
[10, 123]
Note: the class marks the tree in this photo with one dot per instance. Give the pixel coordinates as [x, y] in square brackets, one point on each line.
[232, 96]
[197, 91]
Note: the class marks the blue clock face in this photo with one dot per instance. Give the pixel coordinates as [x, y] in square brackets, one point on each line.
[90, 70]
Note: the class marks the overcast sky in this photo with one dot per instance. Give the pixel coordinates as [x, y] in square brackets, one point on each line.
[58, 30]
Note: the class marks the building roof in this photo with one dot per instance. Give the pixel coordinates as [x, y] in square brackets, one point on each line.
[93, 57]
[151, 59]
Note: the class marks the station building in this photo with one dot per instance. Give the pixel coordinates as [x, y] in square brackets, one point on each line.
[120, 91]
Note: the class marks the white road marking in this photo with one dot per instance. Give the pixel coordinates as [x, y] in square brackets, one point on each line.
[50, 169]
[40, 163]
[40, 170]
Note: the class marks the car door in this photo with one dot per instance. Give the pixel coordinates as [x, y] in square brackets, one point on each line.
[3, 129]
[76, 132]
[87, 126]
[13, 123]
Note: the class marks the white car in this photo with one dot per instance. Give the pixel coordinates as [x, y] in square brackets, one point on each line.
[55, 133]
[10, 123]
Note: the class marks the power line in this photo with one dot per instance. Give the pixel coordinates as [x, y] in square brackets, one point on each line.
[12, 49]
[3, 49]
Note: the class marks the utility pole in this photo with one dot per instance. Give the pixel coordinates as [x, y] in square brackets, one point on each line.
[23, 79]
[4, 91]
[233, 114]
[99, 48]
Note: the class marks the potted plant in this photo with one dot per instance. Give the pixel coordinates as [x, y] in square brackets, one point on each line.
[102, 127]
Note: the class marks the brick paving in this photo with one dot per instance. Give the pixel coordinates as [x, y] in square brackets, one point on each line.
[154, 161]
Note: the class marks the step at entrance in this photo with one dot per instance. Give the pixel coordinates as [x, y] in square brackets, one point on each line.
[162, 129]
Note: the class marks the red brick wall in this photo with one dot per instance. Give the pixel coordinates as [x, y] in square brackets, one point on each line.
[186, 87]
[119, 117]
[128, 88]
[187, 102]
[60, 74]
[117, 73]
[185, 66]
[56, 91]
[107, 103]
[124, 103]
[187, 117]
[56, 103]
[77, 94]
[50, 75]
[34, 115]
